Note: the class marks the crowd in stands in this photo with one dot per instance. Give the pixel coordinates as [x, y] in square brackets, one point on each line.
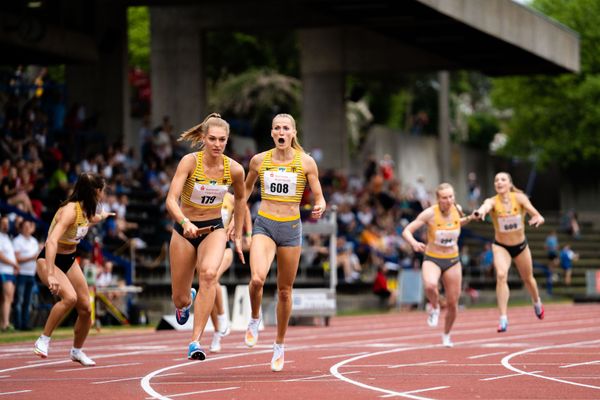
[44, 146]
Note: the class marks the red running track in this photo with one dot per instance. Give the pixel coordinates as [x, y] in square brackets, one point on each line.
[366, 357]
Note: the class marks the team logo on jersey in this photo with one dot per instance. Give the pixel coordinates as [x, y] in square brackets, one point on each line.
[213, 182]
[282, 169]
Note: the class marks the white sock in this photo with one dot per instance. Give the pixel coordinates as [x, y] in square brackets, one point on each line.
[538, 302]
[222, 319]
[446, 336]
[504, 318]
[75, 350]
[45, 338]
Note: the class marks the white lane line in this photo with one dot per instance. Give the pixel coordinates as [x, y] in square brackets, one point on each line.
[417, 364]
[506, 362]
[578, 364]
[199, 392]
[253, 365]
[96, 367]
[316, 377]
[20, 391]
[145, 383]
[134, 378]
[493, 378]
[4, 376]
[486, 355]
[418, 391]
[335, 368]
[343, 355]
[66, 361]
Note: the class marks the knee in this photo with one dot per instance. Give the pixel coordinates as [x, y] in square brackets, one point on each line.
[452, 302]
[284, 295]
[257, 282]
[181, 300]
[84, 310]
[70, 300]
[501, 277]
[431, 287]
[208, 277]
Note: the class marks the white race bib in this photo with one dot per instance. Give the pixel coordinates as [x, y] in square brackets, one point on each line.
[208, 195]
[81, 232]
[446, 238]
[280, 183]
[510, 223]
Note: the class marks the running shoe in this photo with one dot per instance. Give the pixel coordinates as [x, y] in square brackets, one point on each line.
[80, 357]
[215, 346]
[224, 327]
[446, 341]
[252, 332]
[41, 347]
[182, 314]
[539, 310]
[277, 360]
[503, 325]
[433, 317]
[195, 352]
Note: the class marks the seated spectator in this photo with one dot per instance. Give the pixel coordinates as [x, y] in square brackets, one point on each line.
[552, 250]
[348, 260]
[567, 257]
[486, 260]
[380, 288]
[570, 224]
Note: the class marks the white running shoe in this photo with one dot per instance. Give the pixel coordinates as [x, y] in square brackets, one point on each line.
[446, 341]
[277, 360]
[215, 346]
[433, 317]
[80, 357]
[224, 327]
[252, 332]
[41, 347]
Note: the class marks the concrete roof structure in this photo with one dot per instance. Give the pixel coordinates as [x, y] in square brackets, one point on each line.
[496, 37]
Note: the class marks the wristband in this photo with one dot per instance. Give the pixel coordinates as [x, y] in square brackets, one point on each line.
[183, 221]
[248, 234]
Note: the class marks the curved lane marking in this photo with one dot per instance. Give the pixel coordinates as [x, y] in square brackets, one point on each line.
[506, 363]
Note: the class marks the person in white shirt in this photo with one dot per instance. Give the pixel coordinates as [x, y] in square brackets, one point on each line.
[8, 271]
[26, 249]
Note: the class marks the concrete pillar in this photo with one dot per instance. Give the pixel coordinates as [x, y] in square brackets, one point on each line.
[444, 125]
[102, 86]
[323, 105]
[176, 67]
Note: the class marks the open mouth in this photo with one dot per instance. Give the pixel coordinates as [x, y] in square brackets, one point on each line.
[281, 140]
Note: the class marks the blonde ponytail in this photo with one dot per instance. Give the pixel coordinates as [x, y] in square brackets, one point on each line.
[195, 135]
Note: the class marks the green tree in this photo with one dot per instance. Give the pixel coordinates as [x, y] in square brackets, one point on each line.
[557, 117]
[138, 32]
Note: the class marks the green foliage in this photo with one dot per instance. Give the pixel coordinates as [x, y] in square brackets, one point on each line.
[138, 31]
[482, 128]
[231, 53]
[256, 96]
[557, 116]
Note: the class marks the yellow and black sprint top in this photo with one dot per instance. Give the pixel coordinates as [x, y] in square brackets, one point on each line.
[75, 232]
[443, 232]
[201, 191]
[507, 220]
[282, 182]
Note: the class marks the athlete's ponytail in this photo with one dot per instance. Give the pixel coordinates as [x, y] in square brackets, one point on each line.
[195, 135]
